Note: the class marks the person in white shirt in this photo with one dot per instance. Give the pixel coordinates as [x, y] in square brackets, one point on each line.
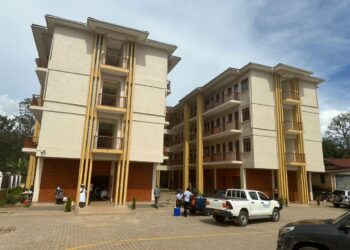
[178, 198]
[187, 195]
[82, 196]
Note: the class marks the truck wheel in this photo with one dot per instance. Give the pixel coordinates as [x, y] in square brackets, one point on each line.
[219, 218]
[335, 205]
[275, 215]
[242, 218]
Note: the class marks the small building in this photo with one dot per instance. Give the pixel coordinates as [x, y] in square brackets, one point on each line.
[336, 176]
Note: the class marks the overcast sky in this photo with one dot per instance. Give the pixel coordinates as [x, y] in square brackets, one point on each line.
[211, 36]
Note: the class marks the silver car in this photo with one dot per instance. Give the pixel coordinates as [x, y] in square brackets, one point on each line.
[341, 197]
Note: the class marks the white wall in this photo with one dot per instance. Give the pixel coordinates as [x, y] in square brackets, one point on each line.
[149, 102]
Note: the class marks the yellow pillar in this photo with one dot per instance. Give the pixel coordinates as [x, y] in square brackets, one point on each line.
[282, 181]
[186, 149]
[199, 143]
[30, 172]
[158, 178]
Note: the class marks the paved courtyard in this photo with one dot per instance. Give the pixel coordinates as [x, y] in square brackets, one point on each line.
[143, 228]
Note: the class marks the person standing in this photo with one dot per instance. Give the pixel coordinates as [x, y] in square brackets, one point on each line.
[156, 193]
[187, 195]
[178, 198]
[82, 199]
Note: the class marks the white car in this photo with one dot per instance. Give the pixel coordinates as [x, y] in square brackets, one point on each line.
[341, 197]
[243, 205]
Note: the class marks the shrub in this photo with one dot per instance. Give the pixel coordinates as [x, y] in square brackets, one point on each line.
[68, 206]
[13, 199]
[2, 202]
[133, 205]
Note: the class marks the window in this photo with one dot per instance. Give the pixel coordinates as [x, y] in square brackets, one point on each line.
[245, 114]
[244, 85]
[253, 195]
[229, 193]
[323, 179]
[229, 91]
[230, 146]
[217, 148]
[243, 196]
[263, 197]
[230, 118]
[246, 145]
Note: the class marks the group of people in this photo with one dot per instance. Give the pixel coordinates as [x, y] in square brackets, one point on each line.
[181, 199]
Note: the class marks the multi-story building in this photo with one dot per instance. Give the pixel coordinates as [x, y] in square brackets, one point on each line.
[256, 127]
[100, 113]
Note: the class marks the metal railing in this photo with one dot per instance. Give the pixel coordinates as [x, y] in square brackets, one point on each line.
[222, 127]
[112, 100]
[176, 162]
[216, 102]
[36, 101]
[176, 121]
[295, 157]
[176, 141]
[225, 156]
[108, 142]
[41, 63]
[114, 60]
[30, 142]
[291, 95]
[293, 125]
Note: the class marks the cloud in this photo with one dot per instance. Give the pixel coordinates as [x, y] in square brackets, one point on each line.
[8, 106]
[326, 117]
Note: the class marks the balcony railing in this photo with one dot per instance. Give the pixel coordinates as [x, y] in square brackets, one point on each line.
[192, 160]
[165, 151]
[176, 162]
[222, 127]
[291, 95]
[193, 136]
[108, 142]
[176, 121]
[116, 61]
[293, 125]
[176, 142]
[193, 113]
[41, 63]
[30, 142]
[112, 100]
[216, 102]
[36, 101]
[168, 85]
[295, 157]
[226, 156]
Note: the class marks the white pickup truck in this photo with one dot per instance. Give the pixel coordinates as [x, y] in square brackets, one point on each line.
[242, 205]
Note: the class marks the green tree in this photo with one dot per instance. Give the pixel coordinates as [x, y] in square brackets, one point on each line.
[19, 167]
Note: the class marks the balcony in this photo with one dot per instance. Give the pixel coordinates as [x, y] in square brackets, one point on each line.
[30, 144]
[293, 127]
[166, 153]
[295, 159]
[36, 106]
[223, 158]
[114, 65]
[176, 142]
[176, 162]
[107, 145]
[41, 70]
[222, 130]
[111, 104]
[290, 97]
[177, 123]
[192, 160]
[193, 136]
[221, 104]
[168, 87]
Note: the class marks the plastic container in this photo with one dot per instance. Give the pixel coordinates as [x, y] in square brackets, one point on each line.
[176, 211]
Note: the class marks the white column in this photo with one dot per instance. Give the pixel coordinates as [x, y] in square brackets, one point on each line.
[154, 179]
[37, 181]
[215, 180]
[19, 179]
[1, 176]
[310, 186]
[243, 178]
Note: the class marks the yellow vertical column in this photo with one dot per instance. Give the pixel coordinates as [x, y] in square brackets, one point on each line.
[282, 170]
[303, 193]
[158, 178]
[199, 144]
[186, 147]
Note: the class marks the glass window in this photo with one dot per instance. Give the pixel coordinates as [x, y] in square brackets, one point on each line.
[253, 196]
[245, 114]
[244, 85]
[230, 118]
[229, 193]
[243, 196]
[229, 91]
[246, 145]
[263, 197]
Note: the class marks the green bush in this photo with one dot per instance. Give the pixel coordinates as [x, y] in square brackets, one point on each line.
[68, 206]
[133, 205]
[3, 202]
[15, 191]
[13, 199]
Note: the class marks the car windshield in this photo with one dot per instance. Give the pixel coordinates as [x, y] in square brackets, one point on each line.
[341, 217]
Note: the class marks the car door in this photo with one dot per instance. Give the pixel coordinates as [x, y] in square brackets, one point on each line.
[254, 205]
[265, 204]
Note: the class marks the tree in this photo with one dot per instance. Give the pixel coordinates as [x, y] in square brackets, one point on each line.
[25, 120]
[337, 141]
[19, 167]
